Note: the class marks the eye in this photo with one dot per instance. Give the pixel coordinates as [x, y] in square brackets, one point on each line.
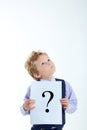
[42, 63]
[49, 60]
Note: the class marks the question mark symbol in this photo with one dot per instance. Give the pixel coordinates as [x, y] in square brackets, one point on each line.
[51, 97]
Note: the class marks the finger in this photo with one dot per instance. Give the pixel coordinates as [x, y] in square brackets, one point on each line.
[64, 101]
[31, 107]
[65, 107]
[32, 101]
[29, 101]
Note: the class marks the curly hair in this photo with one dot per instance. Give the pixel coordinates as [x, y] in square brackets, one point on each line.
[30, 63]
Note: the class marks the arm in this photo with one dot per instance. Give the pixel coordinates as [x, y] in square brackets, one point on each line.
[70, 101]
[28, 104]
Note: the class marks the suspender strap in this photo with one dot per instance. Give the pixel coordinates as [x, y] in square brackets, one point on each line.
[63, 96]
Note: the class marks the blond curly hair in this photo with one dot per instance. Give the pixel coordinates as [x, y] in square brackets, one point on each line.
[30, 63]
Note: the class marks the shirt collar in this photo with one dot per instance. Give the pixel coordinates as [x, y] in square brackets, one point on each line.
[52, 79]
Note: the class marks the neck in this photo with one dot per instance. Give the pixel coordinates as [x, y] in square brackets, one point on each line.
[49, 78]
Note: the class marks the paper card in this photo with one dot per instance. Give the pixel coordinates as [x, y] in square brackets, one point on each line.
[48, 109]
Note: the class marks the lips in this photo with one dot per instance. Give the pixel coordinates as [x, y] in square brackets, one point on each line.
[51, 66]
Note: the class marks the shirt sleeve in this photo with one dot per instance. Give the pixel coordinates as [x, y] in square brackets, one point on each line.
[70, 94]
[24, 112]
[27, 96]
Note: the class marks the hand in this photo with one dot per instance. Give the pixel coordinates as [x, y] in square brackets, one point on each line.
[64, 102]
[29, 104]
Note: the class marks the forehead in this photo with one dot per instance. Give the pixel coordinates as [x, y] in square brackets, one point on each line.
[41, 58]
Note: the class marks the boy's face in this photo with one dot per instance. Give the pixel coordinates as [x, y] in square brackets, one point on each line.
[45, 67]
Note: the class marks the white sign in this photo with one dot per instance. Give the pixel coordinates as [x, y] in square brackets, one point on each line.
[48, 109]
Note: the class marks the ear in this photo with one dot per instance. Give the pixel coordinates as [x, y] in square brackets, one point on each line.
[37, 76]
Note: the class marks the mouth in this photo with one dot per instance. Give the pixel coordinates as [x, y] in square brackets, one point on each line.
[51, 66]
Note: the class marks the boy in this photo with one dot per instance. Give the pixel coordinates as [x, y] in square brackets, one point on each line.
[41, 68]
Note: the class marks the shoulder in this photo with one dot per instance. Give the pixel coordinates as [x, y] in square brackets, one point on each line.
[69, 90]
[27, 95]
[67, 84]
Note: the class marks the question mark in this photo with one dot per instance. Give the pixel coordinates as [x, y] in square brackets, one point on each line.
[51, 97]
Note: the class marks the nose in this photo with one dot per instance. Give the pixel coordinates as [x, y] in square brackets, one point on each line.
[48, 63]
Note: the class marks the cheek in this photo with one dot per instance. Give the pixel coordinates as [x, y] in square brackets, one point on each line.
[44, 71]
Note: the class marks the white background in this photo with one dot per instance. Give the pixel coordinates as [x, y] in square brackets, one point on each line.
[58, 27]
